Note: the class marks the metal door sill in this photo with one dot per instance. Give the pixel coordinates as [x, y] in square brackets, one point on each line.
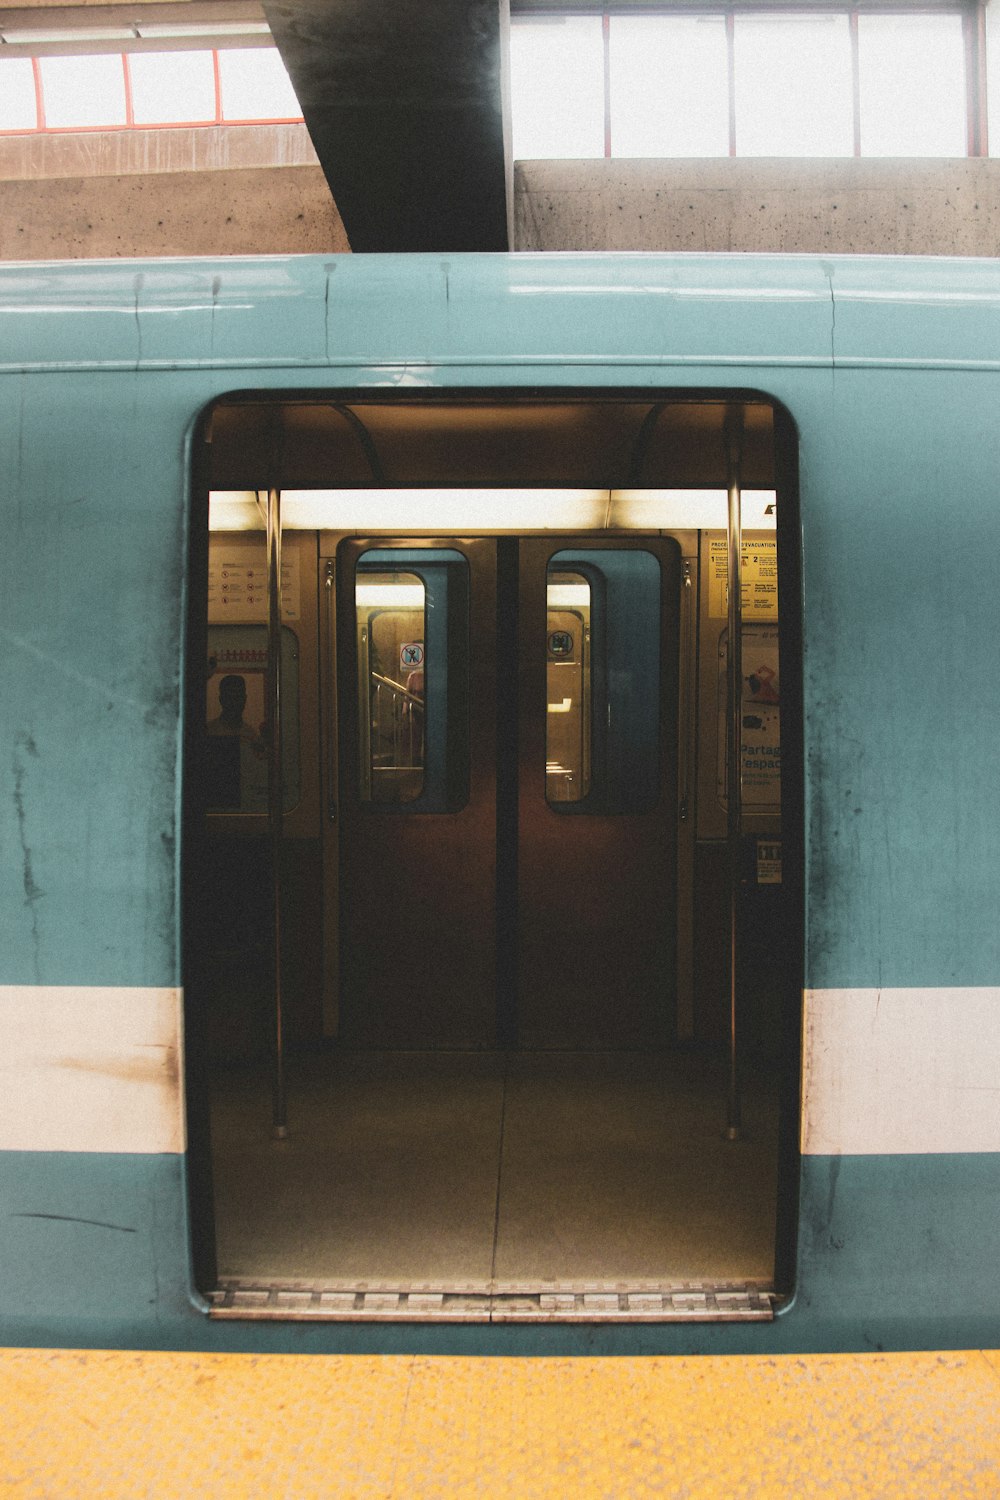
[499, 1302]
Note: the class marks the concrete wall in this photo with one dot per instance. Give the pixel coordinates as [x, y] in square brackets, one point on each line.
[233, 190]
[238, 190]
[882, 207]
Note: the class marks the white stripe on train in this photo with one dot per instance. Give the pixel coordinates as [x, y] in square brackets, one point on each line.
[885, 1071]
[90, 1069]
[901, 1071]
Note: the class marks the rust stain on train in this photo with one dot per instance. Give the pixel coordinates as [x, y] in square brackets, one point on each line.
[151, 1062]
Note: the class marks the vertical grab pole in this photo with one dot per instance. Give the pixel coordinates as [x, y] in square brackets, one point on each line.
[734, 757]
[275, 796]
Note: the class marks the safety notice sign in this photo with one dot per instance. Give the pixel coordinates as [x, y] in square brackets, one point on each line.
[237, 583]
[759, 577]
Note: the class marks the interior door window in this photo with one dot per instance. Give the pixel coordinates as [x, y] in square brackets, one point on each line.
[567, 673]
[603, 751]
[411, 610]
[391, 618]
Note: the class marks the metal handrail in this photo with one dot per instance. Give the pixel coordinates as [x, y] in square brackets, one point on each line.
[276, 798]
[398, 689]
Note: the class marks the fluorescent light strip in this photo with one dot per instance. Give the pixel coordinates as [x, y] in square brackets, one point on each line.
[390, 595]
[568, 596]
[450, 512]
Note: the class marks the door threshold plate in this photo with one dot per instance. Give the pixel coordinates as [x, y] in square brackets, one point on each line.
[492, 1302]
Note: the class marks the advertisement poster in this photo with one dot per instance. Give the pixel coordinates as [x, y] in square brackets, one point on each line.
[761, 718]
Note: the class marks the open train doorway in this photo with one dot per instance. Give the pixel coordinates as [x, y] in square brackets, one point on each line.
[494, 953]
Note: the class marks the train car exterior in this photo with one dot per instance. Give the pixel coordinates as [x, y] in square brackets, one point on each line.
[890, 374]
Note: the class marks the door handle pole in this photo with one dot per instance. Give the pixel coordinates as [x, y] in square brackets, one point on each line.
[734, 759]
[275, 800]
[329, 592]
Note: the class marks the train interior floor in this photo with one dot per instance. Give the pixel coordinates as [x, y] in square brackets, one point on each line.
[480, 1170]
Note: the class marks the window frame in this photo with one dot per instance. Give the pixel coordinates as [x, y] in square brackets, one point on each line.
[218, 118]
[972, 14]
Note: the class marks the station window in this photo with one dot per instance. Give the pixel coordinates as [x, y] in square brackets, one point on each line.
[18, 106]
[171, 87]
[113, 91]
[82, 92]
[254, 85]
[747, 82]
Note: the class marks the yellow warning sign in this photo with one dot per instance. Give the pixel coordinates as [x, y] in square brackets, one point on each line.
[760, 579]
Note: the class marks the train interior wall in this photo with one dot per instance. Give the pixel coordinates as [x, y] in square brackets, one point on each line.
[442, 1135]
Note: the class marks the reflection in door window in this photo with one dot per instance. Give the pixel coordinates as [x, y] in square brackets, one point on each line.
[237, 743]
[567, 675]
[391, 634]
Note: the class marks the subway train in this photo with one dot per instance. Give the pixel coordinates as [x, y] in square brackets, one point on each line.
[501, 830]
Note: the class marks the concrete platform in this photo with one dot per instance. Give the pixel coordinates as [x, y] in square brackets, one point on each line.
[108, 1424]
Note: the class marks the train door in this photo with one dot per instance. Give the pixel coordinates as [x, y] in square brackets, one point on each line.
[506, 817]
[517, 947]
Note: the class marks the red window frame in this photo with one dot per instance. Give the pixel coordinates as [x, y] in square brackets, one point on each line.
[42, 128]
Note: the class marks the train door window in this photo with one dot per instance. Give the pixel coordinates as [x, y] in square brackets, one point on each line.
[412, 635]
[236, 747]
[617, 728]
[568, 716]
[391, 613]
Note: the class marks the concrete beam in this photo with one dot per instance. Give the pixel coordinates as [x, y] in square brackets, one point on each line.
[405, 104]
[130, 153]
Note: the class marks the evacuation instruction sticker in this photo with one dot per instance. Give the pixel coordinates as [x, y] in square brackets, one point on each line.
[237, 584]
[759, 576]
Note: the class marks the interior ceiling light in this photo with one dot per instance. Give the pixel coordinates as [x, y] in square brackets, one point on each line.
[568, 595]
[450, 512]
[370, 595]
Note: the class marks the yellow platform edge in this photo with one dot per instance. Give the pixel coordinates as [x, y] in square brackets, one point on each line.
[86, 1423]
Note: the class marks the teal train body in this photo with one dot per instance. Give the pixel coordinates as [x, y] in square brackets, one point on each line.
[890, 371]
